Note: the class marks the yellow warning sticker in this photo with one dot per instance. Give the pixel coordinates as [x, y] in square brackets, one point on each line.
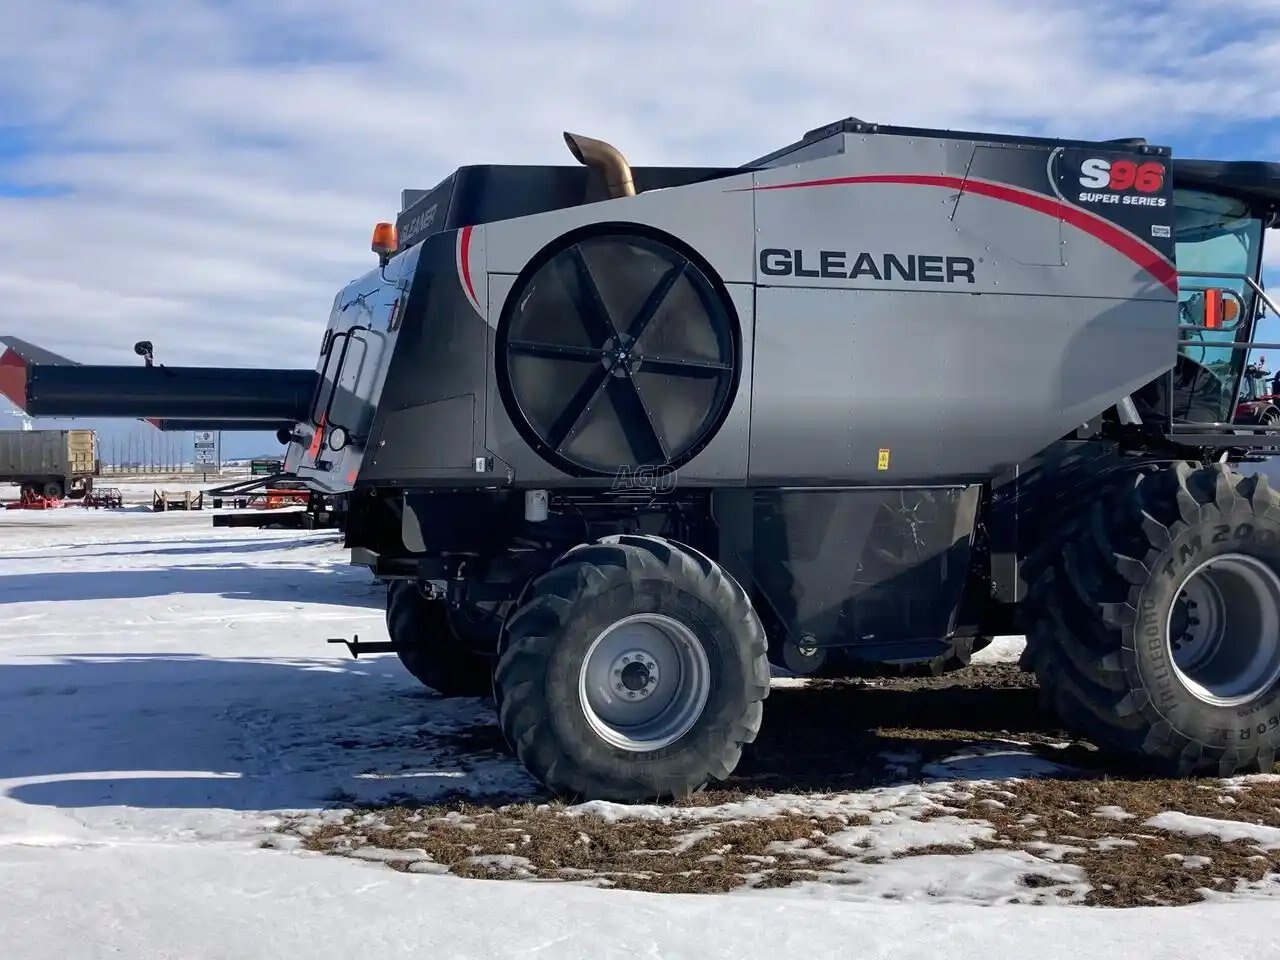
[883, 462]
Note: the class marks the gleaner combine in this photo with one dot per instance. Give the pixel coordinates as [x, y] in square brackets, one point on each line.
[618, 438]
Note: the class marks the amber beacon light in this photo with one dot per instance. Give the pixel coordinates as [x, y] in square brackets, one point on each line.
[385, 241]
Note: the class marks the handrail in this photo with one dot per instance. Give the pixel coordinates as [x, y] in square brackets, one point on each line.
[318, 419]
[1192, 426]
[326, 351]
[1229, 345]
[342, 363]
[342, 367]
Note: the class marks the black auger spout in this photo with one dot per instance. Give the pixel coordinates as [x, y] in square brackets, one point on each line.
[44, 384]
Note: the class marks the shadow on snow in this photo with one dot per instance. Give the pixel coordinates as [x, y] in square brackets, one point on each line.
[201, 732]
[322, 583]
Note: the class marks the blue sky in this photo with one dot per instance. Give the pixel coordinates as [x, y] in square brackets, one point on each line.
[205, 174]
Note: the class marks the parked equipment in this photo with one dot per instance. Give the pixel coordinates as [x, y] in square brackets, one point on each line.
[165, 500]
[49, 463]
[620, 438]
[272, 499]
[103, 498]
[1259, 396]
[35, 501]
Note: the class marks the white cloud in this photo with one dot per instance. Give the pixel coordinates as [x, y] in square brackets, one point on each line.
[225, 160]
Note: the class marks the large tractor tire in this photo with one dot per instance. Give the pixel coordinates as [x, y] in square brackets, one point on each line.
[1156, 629]
[633, 670]
[431, 649]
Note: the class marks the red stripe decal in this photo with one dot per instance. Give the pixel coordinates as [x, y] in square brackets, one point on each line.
[13, 378]
[313, 451]
[1143, 254]
[464, 262]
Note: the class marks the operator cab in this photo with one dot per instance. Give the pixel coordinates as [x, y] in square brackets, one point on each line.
[1220, 212]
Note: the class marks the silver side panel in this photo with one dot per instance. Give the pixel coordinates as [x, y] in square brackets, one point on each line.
[891, 386]
[716, 218]
[913, 310]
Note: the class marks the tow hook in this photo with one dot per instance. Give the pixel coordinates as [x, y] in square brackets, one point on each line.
[356, 647]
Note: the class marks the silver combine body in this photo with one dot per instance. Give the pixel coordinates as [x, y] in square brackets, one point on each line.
[904, 308]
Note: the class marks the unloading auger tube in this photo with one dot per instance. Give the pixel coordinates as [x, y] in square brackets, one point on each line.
[45, 384]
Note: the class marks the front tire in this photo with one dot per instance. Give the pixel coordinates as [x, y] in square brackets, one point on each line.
[1156, 630]
[430, 649]
[635, 669]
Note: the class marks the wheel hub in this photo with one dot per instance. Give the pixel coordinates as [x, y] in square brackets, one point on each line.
[1198, 624]
[1224, 630]
[644, 682]
[619, 357]
[636, 675]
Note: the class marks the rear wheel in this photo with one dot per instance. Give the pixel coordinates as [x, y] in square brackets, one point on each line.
[430, 648]
[1156, 631]
[53, 489]
[634, 670]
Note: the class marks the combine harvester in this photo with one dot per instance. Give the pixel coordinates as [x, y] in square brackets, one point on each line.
[620, 438]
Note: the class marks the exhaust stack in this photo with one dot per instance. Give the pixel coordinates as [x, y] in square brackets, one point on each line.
[607, 159]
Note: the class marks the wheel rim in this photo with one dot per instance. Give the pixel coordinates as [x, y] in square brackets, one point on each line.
[1224, 630]
[644, 682]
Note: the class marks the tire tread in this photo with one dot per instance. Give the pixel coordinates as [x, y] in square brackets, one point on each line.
[1084, 608]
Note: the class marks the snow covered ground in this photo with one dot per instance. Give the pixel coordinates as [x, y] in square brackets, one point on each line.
[174, 729]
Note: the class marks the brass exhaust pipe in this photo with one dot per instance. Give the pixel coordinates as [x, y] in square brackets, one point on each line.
[604, 157]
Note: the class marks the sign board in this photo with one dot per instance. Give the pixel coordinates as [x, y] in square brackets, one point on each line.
[206, 449]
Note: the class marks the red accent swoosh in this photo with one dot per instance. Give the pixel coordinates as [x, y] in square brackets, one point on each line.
[13, 378]
[464, 259]
[313, 451]
[1122, 241]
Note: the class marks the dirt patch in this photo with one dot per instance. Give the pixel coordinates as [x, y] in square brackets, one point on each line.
[550, 843]
[1100, 829]
[1101, 825]
[887, 787]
